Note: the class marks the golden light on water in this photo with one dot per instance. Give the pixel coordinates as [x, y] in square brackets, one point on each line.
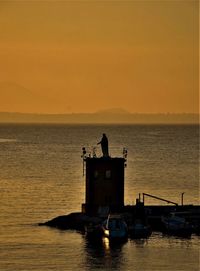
[106, 232]
[106, 243]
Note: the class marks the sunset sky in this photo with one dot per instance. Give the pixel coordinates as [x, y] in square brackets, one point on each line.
[85, 56]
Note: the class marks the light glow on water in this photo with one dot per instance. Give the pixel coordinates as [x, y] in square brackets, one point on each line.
[4, 140]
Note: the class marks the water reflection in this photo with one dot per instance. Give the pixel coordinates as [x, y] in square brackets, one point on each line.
[182, 242]
[140, 243]
[5, 140]
[104, 254]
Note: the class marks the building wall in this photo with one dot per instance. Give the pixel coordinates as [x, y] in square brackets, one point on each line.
[105, 182]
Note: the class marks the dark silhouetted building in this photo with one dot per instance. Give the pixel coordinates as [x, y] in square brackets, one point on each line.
[104, 184]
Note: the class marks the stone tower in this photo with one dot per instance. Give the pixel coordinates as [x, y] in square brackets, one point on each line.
[104, 184]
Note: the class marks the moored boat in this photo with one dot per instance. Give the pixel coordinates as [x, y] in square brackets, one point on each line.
[175, 225]
[139, 230]
[115, 228]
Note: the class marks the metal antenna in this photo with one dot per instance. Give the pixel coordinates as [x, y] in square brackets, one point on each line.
[83, 156]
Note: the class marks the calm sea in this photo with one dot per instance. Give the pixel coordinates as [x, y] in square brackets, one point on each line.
[41, 178]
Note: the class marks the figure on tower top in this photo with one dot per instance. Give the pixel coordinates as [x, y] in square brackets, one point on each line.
[104, 145]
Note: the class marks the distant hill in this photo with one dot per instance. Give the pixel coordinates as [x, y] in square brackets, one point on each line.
[113, 111]
[123, 118]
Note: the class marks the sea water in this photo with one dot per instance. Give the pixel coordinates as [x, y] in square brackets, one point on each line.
[41, 178]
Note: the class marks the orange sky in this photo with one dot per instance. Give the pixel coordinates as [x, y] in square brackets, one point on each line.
[84, 56]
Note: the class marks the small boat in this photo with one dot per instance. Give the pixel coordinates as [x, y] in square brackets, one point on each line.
[176, 225]
[115, 228]
[139, 230]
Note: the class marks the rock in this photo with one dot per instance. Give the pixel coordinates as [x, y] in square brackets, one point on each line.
[75, 221]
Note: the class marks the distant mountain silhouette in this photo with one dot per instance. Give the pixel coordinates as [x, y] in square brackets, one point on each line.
[16, 98]
[139, 118]
[113, 111]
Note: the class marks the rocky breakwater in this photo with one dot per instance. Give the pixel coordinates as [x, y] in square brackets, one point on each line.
[75, 221]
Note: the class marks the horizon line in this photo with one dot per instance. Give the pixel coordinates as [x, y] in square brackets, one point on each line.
[103, 113]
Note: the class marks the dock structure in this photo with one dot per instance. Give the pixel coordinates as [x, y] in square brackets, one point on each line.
[104, 194]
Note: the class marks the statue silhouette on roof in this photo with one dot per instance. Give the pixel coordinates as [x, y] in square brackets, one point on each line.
[104, 145]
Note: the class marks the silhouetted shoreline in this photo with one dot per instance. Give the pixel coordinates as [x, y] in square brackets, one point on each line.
[77, 118]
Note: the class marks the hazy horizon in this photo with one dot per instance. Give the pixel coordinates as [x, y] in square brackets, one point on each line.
[110, 117]
[102, 112]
